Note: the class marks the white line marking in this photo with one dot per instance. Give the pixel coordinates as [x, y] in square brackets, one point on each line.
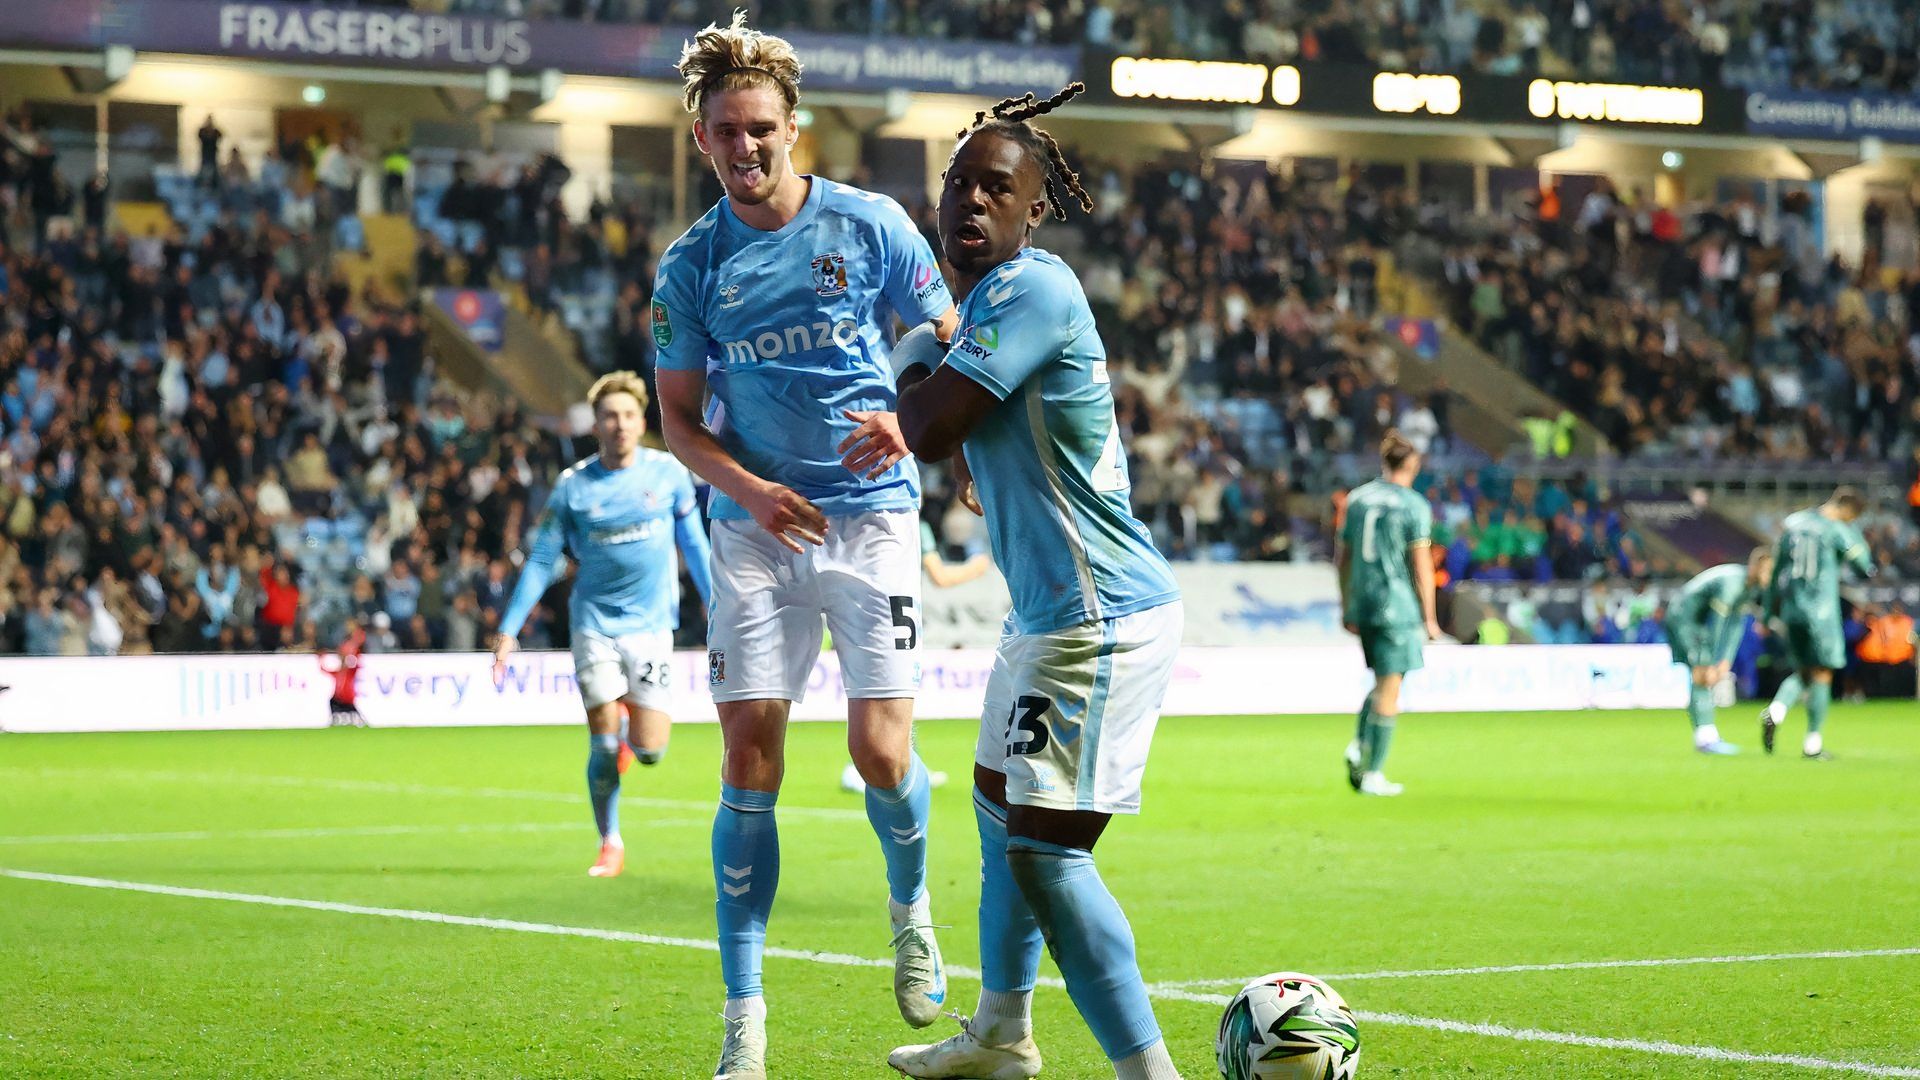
[411, 915]
[1643, 1046]
[1571, 965]
[385, 787]
[1497, 1031]
[302, 834]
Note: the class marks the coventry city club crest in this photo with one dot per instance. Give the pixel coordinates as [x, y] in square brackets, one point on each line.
[830, 274]
[716, 667]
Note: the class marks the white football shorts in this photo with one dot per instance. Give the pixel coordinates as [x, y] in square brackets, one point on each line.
[769, 604]
[1069, 715]
[636, 667]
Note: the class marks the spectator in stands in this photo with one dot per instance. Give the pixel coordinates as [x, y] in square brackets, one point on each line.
[380, 635]
[338, 173]
[47, 625]
[209, 136]
[310, 480]
[282, 604]
[94, 199]
[396, 168]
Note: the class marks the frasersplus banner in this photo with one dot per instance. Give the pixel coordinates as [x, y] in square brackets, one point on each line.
[400, 38]
[192, 692]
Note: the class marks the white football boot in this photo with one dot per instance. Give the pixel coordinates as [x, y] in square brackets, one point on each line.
[965, 1057]
[743, 1052]
[919, 979]
[1375, 783]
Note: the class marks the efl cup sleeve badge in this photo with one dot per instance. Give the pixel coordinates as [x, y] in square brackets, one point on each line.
[662, 325]
[830, 274]
[716, 667]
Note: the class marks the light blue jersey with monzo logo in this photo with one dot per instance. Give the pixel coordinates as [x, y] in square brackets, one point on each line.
[1048, 464]
[794, 325]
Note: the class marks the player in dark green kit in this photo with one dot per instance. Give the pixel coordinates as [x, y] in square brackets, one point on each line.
[1386, 595]
[1805, 598]
[1704, 623]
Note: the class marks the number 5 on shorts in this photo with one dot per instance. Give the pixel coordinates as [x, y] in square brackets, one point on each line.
[903, 619]
[1029, 718]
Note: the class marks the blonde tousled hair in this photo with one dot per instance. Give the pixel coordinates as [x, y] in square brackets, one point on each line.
[618, 382]
[737, 57]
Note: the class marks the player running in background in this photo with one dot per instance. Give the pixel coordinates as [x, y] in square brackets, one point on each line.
[1704, 625]
[1077, 685]
[1805, 597]
[778, 303]
[1386, 595]
[620, 512]
[342, 707]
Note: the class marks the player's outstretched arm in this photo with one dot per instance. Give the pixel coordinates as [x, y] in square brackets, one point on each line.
[542, 556]
[774, 507]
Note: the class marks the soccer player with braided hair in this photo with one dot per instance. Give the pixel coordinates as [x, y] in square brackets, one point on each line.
[777, 307]
[1088, 654]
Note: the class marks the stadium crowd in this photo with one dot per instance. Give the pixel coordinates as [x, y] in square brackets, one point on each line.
[1696, 333]
[212, 445]
[209, 442]
[1823, 44]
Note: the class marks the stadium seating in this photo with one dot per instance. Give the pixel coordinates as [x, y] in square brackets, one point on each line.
[1238, 312]
[1860, 45]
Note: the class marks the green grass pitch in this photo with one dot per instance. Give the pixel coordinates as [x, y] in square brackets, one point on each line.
[1522, 840]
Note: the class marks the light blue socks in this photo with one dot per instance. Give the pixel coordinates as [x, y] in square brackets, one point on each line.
[746, 871]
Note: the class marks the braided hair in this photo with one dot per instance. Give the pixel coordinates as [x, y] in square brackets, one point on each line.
[1010, 118]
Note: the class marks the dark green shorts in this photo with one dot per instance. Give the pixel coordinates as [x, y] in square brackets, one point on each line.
[1393, 650]
[1688, 649]
[1814, 643]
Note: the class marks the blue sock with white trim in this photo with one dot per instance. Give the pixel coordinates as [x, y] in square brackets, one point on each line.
[899, 818]
[746, 871]
[603, 784]
[1090, 940]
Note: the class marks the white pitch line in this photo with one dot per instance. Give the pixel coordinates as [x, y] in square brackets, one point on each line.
[386, 787]
[1571, 965]
[412, 915]
[308, 833]
[1643, 1046]
[1497, 1031]
[1564, 1038]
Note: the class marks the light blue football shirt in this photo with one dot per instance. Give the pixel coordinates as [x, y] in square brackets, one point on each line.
[621, 526]
[794, 325]
[1047, 464]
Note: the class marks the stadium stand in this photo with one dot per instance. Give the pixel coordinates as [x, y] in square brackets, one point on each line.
[1856, 45]
[217, 444]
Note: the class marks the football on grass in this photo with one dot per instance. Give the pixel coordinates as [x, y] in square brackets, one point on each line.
[1288, 1026]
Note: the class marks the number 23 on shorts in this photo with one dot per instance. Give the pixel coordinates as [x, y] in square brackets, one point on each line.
[1027, 725]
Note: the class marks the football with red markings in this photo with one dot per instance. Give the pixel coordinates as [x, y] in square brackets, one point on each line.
[1288, 1026]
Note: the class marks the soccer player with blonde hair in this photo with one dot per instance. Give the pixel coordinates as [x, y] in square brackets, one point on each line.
[620, 512]
[772, 317]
